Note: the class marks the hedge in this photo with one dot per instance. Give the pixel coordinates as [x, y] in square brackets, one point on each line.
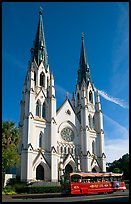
[38, 189]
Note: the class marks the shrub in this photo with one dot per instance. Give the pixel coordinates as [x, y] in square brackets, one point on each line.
[14, 181]
[45, 189]
[8, 190]
[37, 189]
[16, 186]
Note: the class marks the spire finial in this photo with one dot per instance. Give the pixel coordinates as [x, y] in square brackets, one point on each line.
[41, 9]
[82, 35]
[73, 96]
[67, 95]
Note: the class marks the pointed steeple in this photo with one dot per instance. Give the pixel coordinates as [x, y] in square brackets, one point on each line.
[39, 52]
[83, 71]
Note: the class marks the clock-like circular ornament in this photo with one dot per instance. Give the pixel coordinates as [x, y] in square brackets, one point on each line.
[67, 134]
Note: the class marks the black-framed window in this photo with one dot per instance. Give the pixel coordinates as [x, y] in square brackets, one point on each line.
[90, 97]
[42, 79]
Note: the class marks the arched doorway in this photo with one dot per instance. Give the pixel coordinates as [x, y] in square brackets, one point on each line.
[68, 168]
[94, 170]
[40, 172]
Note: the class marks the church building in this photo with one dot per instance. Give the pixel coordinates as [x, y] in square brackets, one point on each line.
[55, 141]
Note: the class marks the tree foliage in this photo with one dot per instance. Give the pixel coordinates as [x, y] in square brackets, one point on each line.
[120, 165]
[10, 140]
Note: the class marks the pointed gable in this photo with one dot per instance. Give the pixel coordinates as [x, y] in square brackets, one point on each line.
[66, 117]
[68, 159]
[67, 101]
[66, 112]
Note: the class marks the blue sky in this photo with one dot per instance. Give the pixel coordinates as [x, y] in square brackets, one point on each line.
[106, 30]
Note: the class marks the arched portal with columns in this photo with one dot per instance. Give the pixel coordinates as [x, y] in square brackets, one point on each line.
[96, 169]
[39, 172]
[68, 168]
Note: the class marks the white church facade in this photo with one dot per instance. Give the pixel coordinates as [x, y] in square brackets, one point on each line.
[57, 141]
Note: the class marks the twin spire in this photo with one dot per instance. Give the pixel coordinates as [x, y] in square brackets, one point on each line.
[39, 52]
[83, 71]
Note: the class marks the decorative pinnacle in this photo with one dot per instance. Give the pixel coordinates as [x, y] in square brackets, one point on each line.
[67, 95]
[73, 96]
[41, 9]
[82, 35]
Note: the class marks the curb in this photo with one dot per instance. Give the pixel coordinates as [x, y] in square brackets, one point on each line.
[43, 195]
[26, 196]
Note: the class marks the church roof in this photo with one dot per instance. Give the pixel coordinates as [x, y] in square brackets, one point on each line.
[63, 105]
[39, 51]
[83, 71]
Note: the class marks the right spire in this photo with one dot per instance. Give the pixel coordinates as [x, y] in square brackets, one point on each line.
[83, 71]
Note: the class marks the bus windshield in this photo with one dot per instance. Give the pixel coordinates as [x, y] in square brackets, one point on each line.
[75, 178]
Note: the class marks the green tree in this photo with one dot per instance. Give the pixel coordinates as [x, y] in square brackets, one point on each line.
[10, 140]
[116, 170]
[120, 165]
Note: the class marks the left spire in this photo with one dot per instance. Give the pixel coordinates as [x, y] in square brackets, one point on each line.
[39, 52]
[83, 71]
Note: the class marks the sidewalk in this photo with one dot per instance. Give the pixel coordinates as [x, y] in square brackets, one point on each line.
[26, 196]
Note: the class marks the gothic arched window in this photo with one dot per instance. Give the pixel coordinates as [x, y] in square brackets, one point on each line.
[90, 97]
[61, 149]
[42, 79]
[40, 140]
[38, 108]
[43, 110]
[90, 121]
[68, 150]
[71, 150]
[47, 82]
[93, 147]
[65, 150]
[35, 78]
[93, 122]
[78, 99]
[47, 87]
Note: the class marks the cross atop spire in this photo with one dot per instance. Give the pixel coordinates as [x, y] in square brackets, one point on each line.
[39, 51]
[82, 35]
[83, 71]
[41, 9]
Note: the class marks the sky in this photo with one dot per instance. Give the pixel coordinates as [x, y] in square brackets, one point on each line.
[106, 35]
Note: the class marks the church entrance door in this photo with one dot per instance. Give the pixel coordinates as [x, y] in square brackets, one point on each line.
[40, 172]
[68, 168]
[94, 170]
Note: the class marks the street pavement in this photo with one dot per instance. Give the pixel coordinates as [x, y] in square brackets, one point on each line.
[58, 197]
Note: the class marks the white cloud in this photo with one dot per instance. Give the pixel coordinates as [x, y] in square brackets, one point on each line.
[116, 148]
[116, 140]
[117, 101]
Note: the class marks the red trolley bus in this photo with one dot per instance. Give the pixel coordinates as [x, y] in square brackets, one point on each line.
[92, 183]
